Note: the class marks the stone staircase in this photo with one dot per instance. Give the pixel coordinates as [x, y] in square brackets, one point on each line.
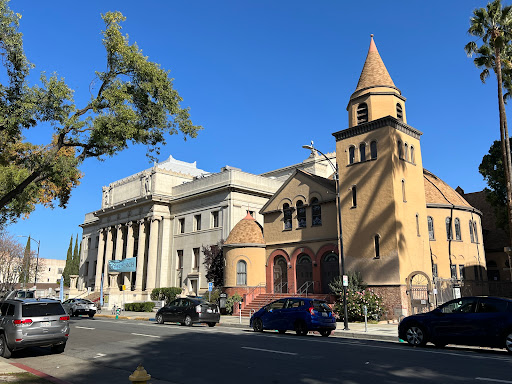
[265, 298]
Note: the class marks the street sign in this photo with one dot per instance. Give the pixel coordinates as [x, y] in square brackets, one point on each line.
[345, 280]
[210, 286]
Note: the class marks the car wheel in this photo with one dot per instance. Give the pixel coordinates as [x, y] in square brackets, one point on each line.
[211, 324]
[159, 319]
[415, 335]
[281, 331]
[325, 332]
[58, 348]
[300, 328]
[508, 342]
[188, 321]
[91, 315]
[257, 325]
[4, 349]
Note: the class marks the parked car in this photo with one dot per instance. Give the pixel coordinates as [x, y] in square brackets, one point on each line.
[32, 322]
[478, 321]
[188, 310]
[77, 307]
[299, 314]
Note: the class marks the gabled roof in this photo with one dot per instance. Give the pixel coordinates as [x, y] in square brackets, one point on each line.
[374, 71]
[326, 183]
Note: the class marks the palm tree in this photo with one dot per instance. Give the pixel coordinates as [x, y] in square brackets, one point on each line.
[493, 25]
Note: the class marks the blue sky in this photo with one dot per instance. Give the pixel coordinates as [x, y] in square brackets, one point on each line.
[265, 77]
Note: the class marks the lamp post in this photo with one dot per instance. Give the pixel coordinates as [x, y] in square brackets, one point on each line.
[37, 257]
[340, 232]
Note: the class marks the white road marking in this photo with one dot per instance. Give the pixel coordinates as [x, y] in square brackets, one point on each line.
[271, 351]
[83, 327]
[142, 334]
[99, 355]
[493, 380]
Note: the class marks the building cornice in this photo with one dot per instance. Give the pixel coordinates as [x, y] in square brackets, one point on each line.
[457, 207]
[388, 121]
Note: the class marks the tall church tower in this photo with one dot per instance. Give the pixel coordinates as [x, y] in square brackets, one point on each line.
[384, 216]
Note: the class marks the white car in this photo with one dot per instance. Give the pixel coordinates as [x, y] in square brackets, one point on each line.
[77, 307]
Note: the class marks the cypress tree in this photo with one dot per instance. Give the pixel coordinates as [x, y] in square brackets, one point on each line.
[25, 268]
[76, 259]
[69, 263]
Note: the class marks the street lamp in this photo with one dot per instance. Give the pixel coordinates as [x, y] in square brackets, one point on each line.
[340, 232]
[37, 258]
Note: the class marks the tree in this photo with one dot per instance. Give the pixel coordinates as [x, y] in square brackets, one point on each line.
[214, 263]
[69, 263]
[76, 259]
[132, 101]
[493, 25]
[11, 261]
[25, 267]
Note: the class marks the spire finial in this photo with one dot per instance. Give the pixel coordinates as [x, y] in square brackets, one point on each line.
[371, 35]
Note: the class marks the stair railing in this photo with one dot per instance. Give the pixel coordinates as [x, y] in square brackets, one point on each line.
[280, 287]
[260, 285]
[304, 288]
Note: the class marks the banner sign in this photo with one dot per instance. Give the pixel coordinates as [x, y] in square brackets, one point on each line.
[126, 265]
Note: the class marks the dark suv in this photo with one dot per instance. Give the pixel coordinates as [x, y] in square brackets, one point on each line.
[31, 323]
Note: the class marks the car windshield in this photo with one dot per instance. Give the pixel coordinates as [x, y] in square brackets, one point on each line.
[42, 309]
[321, 306]
[84, 301]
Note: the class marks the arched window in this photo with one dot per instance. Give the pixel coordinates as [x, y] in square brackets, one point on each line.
[362, 152]
[430, 222]
[412, 154]
[351, 155]
[316, 212]
[406, 152]
[362, 113]
[354, 196]
[475, 231]
[376, 240]
[373, 149]
[287, 213]
[399, 147]
[301, 214]
[399, 112]
[418, 224]
[449, 232]
[403, 191]
[457, 229]
[241, 273]
[471, 235]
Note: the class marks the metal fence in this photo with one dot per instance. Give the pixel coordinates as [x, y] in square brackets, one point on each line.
[448, 289]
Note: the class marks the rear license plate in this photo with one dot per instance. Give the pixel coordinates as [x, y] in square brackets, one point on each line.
[45, 323]
[209, 310]
[324, 314]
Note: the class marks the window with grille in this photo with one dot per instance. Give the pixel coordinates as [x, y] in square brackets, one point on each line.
[301, 214]
[241, 273]
[287, 213]
[457, 229]
[430, 222]
[449, 232]
[316, 212]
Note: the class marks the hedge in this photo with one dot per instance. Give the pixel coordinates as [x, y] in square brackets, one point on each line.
[140, 307]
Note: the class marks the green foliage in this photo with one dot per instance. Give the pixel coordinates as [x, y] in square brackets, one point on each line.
[355, 301]
[146, 306]
[231, 301]
[213, 296]
[214, 263]
[76, 259]
[69, 263]
[355, 283]
[25, 267]
[132, 101]
[167, 294]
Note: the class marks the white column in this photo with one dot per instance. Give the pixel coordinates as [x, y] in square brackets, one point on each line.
[165, 256]
[141, 251]
[108, 256]
[99, 260]
[152, 254]
[129, 253]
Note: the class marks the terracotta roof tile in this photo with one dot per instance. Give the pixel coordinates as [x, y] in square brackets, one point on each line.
[246, 231]
[374, 71]
[438, 192]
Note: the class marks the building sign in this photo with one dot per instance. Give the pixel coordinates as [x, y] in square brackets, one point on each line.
[126, 265]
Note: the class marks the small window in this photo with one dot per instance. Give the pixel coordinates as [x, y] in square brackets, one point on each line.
[196, 258]
[362, 152]
[351, 155]
[241, 273]
[287, 213]
[418, 224]
[197, 222]
[376, 240]
[354, 196]
[373, 150]
[316, 212]
[215, 219]
[475, 232]
[406, 152]
[400, 149]
[362, 113]
[434, 270]
[457, 229]
[180, 258]
[471, 235]
[453, 271]
[430, 222]
[59, 271]
[301, 214]
[461, 271]
[399, 112]
[412, 154]
[449, 231]
[403, 192]
[181, 225]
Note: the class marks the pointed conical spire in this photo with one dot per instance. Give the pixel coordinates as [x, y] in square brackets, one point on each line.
[374, 71]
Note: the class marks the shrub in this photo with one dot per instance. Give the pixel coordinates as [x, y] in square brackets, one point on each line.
[355, 283]
[213, 296]
[167, 294]
[146, 306]
[231, 301]
[355, 302]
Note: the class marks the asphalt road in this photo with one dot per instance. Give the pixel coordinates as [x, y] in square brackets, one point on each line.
[109, 350]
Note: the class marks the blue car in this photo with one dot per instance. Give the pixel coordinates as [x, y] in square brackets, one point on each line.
[299, 314]
[475, 321]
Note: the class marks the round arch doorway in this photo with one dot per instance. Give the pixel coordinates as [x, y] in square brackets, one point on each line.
[330, 269]
[304, 274]
[280, 275]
